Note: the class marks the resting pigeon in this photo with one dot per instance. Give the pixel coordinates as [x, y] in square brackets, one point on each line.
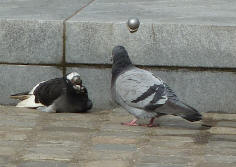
[142, 94]
[65, 94]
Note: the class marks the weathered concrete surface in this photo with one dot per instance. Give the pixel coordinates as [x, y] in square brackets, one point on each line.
[33, 138]
[31, 31]
[21, 78]
[173, 33]
[31, 41]
[212, 12]
[204, 90]
[192, 33]
[39, 10]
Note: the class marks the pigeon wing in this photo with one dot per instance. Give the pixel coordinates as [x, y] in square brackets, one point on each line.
[140, 89]
[48, 91]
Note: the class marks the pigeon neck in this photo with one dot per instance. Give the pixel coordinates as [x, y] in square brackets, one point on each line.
[119, 66]
[69, 89]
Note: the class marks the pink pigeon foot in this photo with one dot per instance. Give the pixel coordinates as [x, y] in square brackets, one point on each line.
[132, 123]
[150, 124]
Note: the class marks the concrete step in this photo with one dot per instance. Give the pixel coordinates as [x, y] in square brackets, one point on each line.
[190, 44]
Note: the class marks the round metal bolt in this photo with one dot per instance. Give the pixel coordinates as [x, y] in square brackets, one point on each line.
[133, 24]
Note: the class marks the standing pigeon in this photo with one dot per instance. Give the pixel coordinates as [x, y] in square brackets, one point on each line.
[65, 94]
[142, 94]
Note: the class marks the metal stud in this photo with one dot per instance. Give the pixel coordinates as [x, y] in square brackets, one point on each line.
[133, 24]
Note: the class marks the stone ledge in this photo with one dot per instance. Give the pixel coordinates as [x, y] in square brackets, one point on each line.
[21, 78]
[172, 33]
[153, 44]
[202, 90]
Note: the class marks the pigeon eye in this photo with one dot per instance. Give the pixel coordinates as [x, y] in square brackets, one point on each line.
[76, 80]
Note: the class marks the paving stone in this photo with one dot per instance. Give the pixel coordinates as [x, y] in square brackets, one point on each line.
[15, 136]
[115, 163]
[158, 165]
[17, 123]
[165, 160]
[217, 117]
[45, 163]
[227, 159]
[48, 152]
[113, 140]
[61, 135]
[7, 151]
[49, 145]
[95, 155]
[223, 137]
[222, 130]
[231, 124]
[115, 147]
[215, 164]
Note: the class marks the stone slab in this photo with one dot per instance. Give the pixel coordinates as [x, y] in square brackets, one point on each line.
[193, 33]
[204, 90]
[31, 41]
[31, 31]
[21, 78]
[40, 10]
[213, 12]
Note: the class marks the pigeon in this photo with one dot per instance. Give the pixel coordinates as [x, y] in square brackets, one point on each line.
[66, 94]
[144, 95]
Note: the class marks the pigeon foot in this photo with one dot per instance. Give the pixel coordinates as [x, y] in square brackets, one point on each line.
[150, 124]
[132, 123]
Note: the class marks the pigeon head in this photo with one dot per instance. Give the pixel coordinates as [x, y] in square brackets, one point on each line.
[121, 60]
[119, 54]
[74, 80]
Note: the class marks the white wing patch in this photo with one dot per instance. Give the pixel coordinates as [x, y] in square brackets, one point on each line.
[29, 103]
[32, 91]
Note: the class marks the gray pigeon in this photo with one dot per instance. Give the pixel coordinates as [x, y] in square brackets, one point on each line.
[142, 94]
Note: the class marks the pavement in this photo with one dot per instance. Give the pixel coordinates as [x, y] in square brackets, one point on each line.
[30, 138]
[189, 44]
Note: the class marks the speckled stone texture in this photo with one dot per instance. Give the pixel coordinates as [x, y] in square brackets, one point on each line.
[190, 44]
[33, 138]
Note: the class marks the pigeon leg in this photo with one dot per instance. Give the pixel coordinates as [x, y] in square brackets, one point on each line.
[150, 124]
[50, 108]
[132, 123]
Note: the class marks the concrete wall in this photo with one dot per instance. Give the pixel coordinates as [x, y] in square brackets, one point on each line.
[196, 57]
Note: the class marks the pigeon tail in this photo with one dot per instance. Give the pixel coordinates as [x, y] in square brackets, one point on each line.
[191, 113]
[20, 96]
[179, 108]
